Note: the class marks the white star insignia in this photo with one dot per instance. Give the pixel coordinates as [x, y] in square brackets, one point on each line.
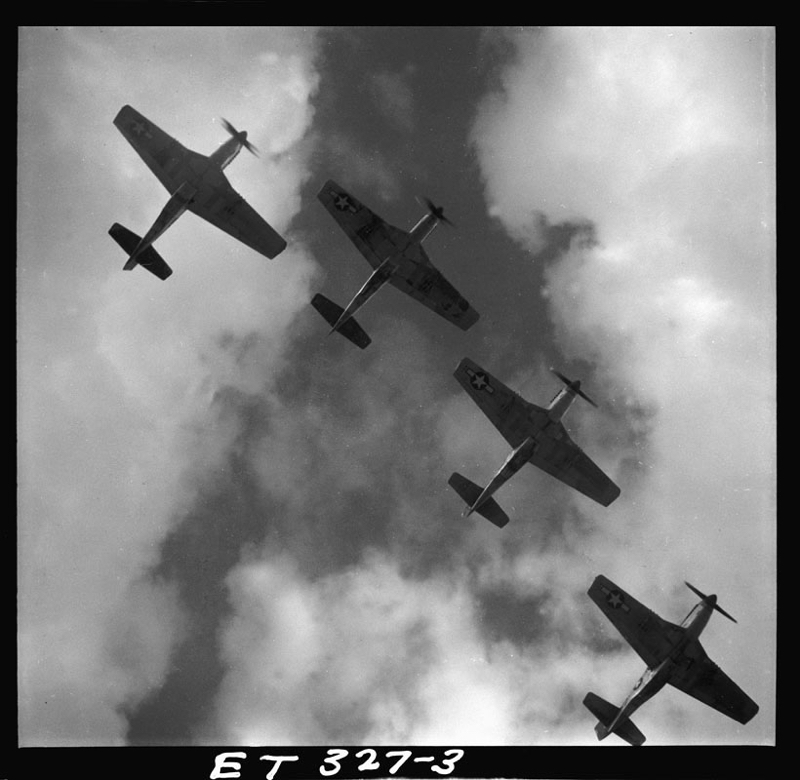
[616, 600]
[141, 129]
[479, 381]
[342, 202]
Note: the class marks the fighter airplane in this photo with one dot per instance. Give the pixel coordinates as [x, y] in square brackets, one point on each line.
[673, 655]
[537, 436]
[396, 256]
[195, 182]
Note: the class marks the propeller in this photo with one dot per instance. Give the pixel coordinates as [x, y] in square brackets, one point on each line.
[574, 386]
[437, 211]
[712, 600]
[241, 136]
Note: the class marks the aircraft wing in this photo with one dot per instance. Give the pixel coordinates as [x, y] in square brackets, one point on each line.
[516, 419]
[218, 203]
[701, 678]
[375, 238]
[165, 157]
[650, 636]
[427, 285]
[510, 413]
[215, 199]
[560, 457]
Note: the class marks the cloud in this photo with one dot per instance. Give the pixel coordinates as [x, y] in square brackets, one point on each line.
[675, 336]
[394, 96]
[678, 328]
[365, 654]
[121, 372]
[362, 616]
[361, 165]
[662, 140]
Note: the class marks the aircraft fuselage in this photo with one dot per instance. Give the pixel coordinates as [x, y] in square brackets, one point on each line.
[697, 619]
[198, 172]
[680, 657]
[394, 262]
[423, 228]
[541, 429]
[561, 403]
[377, 279]
[227, 152]
[514, 462]
[647, 686]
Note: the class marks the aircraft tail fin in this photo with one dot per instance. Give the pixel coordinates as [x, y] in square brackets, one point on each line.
[149, 258]
[470, 492]
[606, 713]
[350, 329]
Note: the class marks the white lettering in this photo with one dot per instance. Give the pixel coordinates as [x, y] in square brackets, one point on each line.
[221, 763]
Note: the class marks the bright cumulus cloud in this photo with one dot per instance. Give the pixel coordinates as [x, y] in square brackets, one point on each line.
[403, 654]
[124, 388]
[662, 141]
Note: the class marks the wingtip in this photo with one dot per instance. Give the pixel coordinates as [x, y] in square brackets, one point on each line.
[276, 252]
[466, 362]
[329, 184]
[611, 496]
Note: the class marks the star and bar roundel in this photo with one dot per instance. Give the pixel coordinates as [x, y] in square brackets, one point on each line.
[140, 128]
[479, 380]
[615, 598]
[343, 202]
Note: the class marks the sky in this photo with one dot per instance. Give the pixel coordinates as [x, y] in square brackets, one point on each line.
[234, 528]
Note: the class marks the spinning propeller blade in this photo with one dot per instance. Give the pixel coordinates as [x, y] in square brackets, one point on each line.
[709, 600]
[437, 211]
[241, 136]
[575, 386]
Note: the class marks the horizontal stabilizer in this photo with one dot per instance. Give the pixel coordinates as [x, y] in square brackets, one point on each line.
[350, 329]
[149, 258]
[605, 712]
[470, 492]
